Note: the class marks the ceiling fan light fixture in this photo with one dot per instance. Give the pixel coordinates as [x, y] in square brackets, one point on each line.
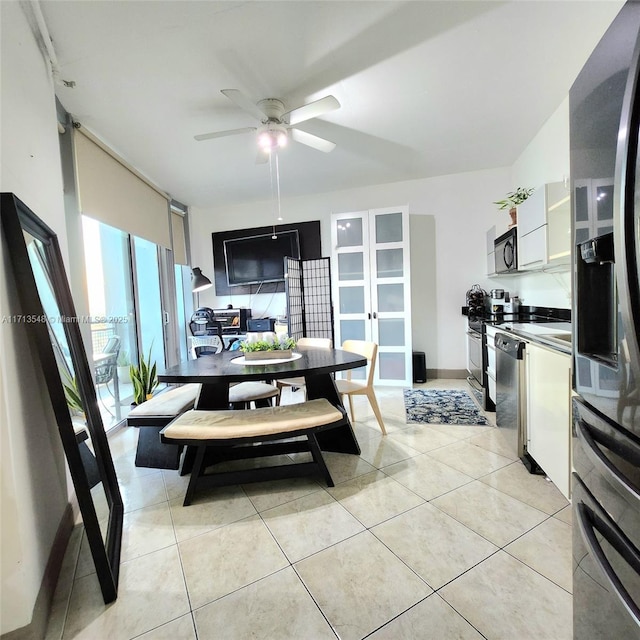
[273, 136]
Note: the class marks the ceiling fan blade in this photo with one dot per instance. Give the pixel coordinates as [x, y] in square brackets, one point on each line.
[223, 134]
[244, 103]
[312, 141]
[311, 110]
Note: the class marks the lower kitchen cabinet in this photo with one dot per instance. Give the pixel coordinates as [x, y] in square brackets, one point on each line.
[548, 375]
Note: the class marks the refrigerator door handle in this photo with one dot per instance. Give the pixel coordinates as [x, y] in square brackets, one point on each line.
[588, 521]
[603, 464]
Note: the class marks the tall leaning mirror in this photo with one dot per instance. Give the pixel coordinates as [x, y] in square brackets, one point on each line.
[48, 311]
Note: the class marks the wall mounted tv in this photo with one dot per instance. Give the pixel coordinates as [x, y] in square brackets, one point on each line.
[310, 249]
[260, 258]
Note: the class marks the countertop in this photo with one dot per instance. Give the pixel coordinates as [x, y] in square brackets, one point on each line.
[556, 335]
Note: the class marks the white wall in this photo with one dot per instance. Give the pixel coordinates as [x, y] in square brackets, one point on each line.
[33, 489]
[545, 159]
[462, 208]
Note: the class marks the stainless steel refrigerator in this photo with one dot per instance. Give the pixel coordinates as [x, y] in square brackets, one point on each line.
[605, 176]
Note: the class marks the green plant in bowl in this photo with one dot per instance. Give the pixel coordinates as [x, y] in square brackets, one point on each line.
[268, 348]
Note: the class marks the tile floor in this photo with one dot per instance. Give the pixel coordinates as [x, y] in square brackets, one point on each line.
[433, 532]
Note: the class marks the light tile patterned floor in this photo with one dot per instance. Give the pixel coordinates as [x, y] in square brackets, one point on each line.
[435, 531]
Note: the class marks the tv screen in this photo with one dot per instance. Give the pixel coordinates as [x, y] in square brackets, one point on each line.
[260, 258]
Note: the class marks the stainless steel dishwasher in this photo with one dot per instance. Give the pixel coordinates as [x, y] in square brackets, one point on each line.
[510, 400]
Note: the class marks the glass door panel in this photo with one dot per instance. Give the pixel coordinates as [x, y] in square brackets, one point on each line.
[150, 315]
[389, 263]
[352, 330]
[351, 266]
[113, 328]
[182, 278]
[391, 297]
[388, 227]
[351, 300]
[392, 366]
[350, 232]
[391, 332]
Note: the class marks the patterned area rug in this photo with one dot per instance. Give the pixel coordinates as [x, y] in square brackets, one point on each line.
[441, 406]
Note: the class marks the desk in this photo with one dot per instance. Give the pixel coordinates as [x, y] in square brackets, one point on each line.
[316, 365]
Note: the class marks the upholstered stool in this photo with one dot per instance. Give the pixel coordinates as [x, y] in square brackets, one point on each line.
[243, 393]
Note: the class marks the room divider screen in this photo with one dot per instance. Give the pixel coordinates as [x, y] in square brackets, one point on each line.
[309, 302]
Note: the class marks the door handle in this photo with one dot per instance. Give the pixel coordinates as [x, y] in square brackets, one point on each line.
[375, 315]
[166, 317]
[368, 316]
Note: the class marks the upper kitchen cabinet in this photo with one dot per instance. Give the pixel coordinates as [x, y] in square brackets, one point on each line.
[544, 228]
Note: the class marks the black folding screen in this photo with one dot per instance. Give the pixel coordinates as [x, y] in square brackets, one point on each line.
[309, 303]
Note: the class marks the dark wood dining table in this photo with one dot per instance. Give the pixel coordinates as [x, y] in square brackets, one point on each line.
[216, 372]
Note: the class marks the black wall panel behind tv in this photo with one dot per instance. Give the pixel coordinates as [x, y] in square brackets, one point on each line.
[310, 249]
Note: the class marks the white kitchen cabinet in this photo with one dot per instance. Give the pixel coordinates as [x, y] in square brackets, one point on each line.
[544, 228]
[548, 383]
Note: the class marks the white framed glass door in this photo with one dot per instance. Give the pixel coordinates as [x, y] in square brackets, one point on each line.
[372, 286]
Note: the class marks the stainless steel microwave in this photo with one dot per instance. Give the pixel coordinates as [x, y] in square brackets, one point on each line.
[506, 251]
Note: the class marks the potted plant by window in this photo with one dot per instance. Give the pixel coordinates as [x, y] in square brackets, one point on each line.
[513, 199]
[268, 349]
[144, 379]
[72, 395]
[123, 363]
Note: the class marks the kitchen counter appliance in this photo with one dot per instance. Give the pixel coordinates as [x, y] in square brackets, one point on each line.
[506, 251]
[510, 398]
[604, 107]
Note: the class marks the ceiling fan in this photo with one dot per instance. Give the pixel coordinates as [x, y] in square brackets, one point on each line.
[276, 124]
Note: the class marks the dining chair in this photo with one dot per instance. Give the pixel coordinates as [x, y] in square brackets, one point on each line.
[350, 388]
[299, 383]
[105, 372]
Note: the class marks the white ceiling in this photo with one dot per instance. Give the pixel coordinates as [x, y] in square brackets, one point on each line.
[427, 88]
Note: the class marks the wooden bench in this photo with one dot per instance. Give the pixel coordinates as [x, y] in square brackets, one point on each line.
[152, 416]
[225, 435]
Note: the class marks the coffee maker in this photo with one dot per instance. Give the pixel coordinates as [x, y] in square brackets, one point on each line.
[497, 298]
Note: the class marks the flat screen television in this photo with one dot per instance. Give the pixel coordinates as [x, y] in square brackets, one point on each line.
[258, 259]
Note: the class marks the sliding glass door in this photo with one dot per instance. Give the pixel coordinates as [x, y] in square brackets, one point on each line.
[150, 316]
[136, 303]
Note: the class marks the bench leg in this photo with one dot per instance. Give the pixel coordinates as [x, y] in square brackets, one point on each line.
[314, 447]
[195, 474]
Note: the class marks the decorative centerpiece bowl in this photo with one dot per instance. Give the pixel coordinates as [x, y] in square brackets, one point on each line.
[275, 354]
[268, 349]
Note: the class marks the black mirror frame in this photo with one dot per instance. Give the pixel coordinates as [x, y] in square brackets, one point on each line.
[16, 218]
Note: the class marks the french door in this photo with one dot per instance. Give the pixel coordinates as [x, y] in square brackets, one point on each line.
[371, 284]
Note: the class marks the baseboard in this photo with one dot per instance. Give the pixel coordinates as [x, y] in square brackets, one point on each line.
[449, 374]
[37, 628]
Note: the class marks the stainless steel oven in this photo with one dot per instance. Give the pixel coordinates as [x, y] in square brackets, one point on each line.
[474, 359]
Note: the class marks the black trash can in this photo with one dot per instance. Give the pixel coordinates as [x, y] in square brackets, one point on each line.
[419, 366]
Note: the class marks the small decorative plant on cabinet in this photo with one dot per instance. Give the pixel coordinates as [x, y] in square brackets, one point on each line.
[511, 202]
